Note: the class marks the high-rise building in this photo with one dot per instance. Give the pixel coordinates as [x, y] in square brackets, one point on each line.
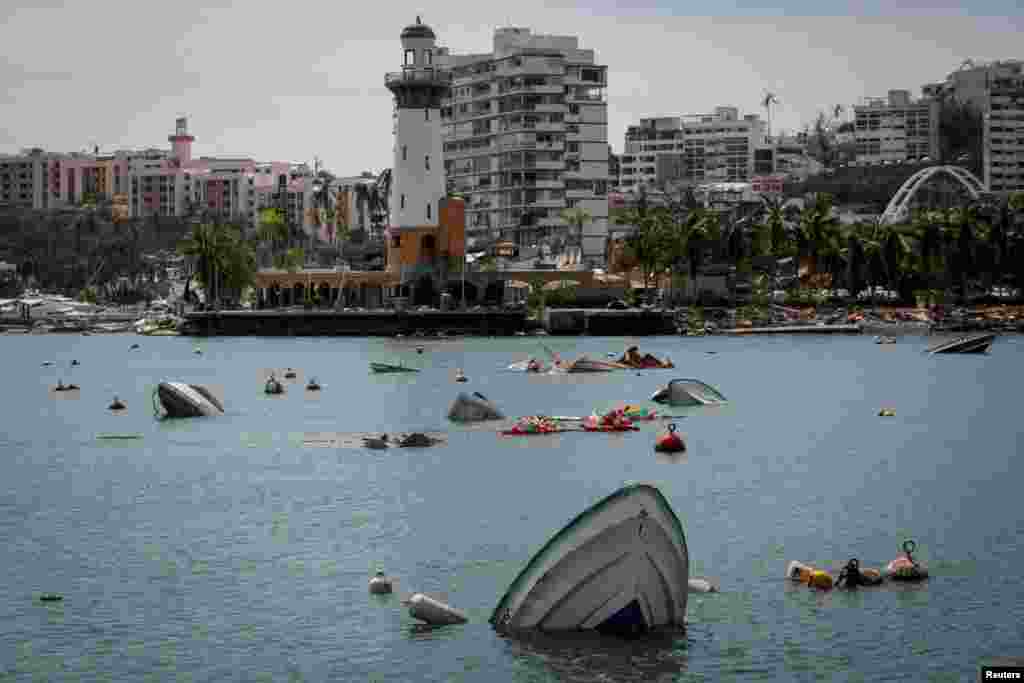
[897, 128]
[526, 137]
[1004, 134]
[695, 149]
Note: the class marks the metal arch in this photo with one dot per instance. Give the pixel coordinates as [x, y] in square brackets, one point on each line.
[897, 207]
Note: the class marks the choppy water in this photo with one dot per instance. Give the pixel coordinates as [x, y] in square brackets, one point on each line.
[225, 549]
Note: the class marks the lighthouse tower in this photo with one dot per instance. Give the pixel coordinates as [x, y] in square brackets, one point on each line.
[418, 182]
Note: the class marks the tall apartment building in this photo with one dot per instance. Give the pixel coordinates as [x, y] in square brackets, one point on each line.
[695, 149]
[1004, 134]
[897, 128]
[525, 132]
[971, 82]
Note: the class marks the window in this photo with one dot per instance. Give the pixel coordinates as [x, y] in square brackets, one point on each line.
[405, 152]
[428, 211]
[426, 114]
[402, 205]
[396, 241]
[429, 57]
[426, 161]
[410, 57]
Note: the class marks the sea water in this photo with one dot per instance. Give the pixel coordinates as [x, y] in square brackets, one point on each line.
[239, 547]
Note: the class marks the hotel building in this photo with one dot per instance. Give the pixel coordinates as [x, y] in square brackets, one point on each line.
[896, 128]
[525, 131]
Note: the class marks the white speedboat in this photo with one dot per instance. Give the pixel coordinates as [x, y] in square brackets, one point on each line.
[187, 400]
[978, 343]
[688, 392]
[619, 567]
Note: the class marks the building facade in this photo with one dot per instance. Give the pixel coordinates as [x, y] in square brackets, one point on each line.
[159, 182]
[1004, 135]
[896, 129]
[525, 132]
[695, 149]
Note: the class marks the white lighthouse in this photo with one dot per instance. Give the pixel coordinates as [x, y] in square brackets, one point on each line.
[418, 182]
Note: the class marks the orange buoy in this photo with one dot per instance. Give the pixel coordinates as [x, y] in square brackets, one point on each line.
[670, 442]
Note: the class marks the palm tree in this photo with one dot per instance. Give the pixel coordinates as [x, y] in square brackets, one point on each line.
[818, 233]
[274, 231]
[577, 217]
[647, 244]
[767, 101]
[700, 227]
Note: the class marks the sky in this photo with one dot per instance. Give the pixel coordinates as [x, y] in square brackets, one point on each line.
[297, 80]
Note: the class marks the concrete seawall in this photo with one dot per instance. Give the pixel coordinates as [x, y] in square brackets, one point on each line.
[597, 322]
[356, 324]
[797, 329]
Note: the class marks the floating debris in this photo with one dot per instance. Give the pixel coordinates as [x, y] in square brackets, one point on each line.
[50, 597]
[886, 412]
[116, 404]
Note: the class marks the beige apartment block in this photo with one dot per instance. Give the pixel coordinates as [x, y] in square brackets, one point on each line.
[525, 133]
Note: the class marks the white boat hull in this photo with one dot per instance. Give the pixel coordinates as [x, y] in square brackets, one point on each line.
[187, 400]
[621, 566]
[688, 392]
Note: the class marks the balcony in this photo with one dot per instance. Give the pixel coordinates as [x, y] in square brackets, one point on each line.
[435, 76]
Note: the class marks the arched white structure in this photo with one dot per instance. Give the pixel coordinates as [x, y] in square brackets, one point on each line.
[896, 210]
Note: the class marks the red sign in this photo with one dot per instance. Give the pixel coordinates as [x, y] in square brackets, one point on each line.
[766, 184]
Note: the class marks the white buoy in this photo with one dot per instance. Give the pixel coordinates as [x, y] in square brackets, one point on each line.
[701, 586]
[434, 612]
[380, 584]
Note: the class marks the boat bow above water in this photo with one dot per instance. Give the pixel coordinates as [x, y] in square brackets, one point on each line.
[978, 343]
[621, 567]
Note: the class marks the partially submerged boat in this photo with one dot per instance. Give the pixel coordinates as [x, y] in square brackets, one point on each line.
[978, 343]
[885, 340]
[688, 392]
[585, 364]
[633, 360]
[388, 367]
[620, 567]
[187, 400]
[473, 407]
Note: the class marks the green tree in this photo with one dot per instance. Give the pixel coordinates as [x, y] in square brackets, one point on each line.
[648, 242]
[577, 217]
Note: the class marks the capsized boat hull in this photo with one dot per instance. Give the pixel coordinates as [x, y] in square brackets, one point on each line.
[688, 392]
[621, 567]
[473, 408]
[187, 400]
[977, 344]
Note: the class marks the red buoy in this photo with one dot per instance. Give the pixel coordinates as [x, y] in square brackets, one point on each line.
[670, 442]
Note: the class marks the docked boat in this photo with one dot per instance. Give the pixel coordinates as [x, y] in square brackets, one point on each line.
[387, 367]
[620, 567]
[688, 392]
[187, 400]
[978, 343]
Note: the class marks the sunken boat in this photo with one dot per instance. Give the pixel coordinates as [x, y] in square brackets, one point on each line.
[473, 407]
[688, 392]
[187, 400]
[978, 343]
[621, 567]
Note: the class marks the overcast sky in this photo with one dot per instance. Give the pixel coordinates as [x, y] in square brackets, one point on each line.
[294, 80]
